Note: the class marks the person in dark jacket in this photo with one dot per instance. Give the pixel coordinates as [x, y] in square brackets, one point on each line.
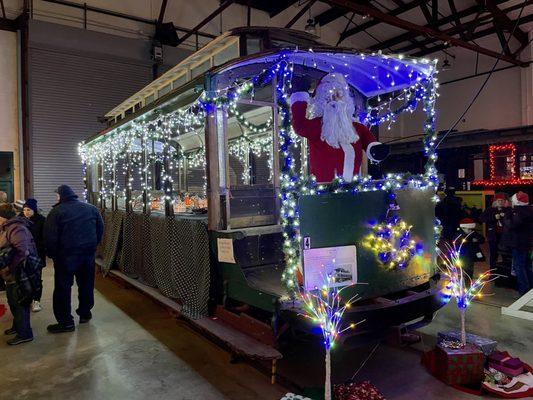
[30, 210]
[518, 235]
[72, 231]
[449, 212]
[14, 232]
[493, 216]
[470, 242]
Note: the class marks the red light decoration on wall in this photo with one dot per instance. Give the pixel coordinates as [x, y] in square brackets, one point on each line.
[509, 152]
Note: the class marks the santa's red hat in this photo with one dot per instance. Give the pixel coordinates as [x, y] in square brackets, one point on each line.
[467, 223]
[520, 199]
[500, 196]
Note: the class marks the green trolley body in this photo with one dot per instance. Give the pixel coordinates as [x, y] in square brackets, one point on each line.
[237, 108]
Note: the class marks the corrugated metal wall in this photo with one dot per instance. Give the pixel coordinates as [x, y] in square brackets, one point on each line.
[68, 92]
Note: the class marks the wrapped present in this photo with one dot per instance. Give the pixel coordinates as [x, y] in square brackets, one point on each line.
[503, 362]
[357, 391]
[487, 346]
[2, 310]
[459, 366]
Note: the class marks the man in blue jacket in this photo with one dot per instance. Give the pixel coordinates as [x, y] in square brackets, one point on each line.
[73, 229]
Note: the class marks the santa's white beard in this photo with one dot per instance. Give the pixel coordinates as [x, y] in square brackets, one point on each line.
[337, 124]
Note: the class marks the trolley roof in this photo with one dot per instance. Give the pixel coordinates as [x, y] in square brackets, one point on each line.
[371, 74]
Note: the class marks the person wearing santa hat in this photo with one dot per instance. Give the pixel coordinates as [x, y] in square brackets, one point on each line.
[518, 235]
[470, 245]
[336, 142]
[493, 216]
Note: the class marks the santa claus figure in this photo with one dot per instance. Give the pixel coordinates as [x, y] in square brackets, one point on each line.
[335, 140]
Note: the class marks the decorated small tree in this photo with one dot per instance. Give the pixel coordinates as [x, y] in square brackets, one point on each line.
[459, 284]
[325, 307]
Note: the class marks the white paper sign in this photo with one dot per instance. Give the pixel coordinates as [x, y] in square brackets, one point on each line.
[339, 262]
[225, 250]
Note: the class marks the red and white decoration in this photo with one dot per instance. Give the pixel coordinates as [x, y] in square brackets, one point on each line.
[467, 223]
[520, 199]
[336, 141]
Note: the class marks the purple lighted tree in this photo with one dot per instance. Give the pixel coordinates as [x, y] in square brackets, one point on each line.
[325, 307]
[459, 284]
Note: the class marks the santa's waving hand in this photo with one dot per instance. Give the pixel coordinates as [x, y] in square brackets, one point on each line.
[336, 141]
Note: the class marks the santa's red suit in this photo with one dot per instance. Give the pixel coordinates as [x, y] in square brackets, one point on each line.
[327, 162]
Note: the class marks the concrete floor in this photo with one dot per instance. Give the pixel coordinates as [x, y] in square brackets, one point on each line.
[397, 372]
[114, 357]
[133, 349]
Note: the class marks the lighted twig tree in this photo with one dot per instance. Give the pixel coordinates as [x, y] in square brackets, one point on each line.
[459, 284]
[325, 307]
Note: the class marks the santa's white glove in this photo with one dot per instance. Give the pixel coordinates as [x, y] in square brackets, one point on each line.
[377, 152]
[299, 96]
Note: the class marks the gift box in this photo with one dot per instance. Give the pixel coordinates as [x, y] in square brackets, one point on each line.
[357, 391]
[2, 310]
[463, 366]
[487, 346]
[503, 362]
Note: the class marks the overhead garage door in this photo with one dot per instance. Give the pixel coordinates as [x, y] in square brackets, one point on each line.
[68, 92]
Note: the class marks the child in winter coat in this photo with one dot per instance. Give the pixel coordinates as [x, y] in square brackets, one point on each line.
[470, 242]
[30, 211]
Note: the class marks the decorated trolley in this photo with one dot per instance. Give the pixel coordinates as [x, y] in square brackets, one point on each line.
[208, 196]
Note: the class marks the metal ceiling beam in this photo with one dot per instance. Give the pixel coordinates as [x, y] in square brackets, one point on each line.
[427, 14]
[397, 11]
[501, 38]
[299, 14]
[8, 25]
[443, 21]
[162, 11]
[329, 15]
[503, 21]
[457, 19]
[3, 9]
[469, 26]
[222, 7]
[363, 9]
[282, 6]
[401, 3]
[435, 10]
[346, 27]
[121, 15]
[478, 35]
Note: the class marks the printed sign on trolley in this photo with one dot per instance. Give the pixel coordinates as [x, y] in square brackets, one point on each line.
[339, 262]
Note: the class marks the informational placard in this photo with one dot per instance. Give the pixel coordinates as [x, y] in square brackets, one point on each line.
[225, 250]
[339, 262]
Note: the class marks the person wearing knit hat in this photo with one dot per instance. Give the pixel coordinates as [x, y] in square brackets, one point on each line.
[518, 235]
[30, 210]
[14, 233]
[493, 217]
[73, 229]
[470, 249]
